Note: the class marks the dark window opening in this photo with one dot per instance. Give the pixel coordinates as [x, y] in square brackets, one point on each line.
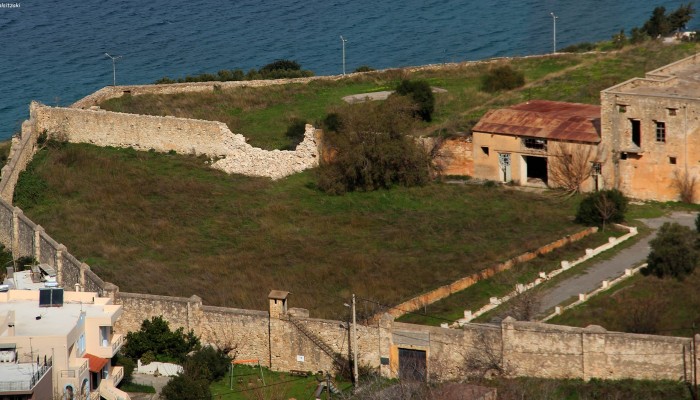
[535, 144]
[536, 170]
[660, 131]
[622, 108]
[636, 132]
[485, 150]
[672, 160]
[672, 112]
[623, 156]
[597, 169]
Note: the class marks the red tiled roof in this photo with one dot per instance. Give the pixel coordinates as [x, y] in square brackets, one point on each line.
[96, 363]
[545, 119]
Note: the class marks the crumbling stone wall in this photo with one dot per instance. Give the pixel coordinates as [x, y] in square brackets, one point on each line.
[182, 135]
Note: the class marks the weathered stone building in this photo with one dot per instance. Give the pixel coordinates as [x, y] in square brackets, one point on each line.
[651, 126]
[529, 143]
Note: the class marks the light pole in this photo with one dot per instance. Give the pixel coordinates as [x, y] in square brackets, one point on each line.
[343, 40]
[355, 374]
[114, 68]
[554, 33]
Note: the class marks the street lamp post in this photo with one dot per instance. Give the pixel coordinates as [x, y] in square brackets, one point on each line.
[554, 32]
[343, 40]
[114, 68]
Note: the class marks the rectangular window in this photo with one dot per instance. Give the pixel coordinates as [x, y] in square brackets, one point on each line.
[622, 108]
[597, 169]
[672, 112]
[636, 132]
[535, 144]
[672, 160]
[660, 131]
[80, 345]
[623, 156]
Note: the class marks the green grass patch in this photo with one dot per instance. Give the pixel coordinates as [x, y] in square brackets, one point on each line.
[131, 387]
[142, 217]
[246, 382]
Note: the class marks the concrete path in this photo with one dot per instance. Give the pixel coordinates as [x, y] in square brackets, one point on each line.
[612, 268]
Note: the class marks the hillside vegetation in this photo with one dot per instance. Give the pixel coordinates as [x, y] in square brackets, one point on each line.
[168, 224]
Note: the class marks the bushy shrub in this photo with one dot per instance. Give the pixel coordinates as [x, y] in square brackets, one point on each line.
[673, 252]
[185, 387]
[371, 150]
[364, 68]
[600, 208]
[207, 363]
[295, 132]
[422, 95]
[502, 78]
[281, 65]
[275, 70]
[155, 336]
[579, 48]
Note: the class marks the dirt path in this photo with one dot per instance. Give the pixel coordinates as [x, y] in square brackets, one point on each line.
[608, 269]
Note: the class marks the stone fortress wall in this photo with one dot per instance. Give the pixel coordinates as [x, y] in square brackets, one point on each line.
[292, 340]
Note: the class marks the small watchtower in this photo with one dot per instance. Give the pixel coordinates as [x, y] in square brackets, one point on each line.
[278, 303]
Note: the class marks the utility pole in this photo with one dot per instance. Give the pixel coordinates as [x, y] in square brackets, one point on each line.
[554, 38]
[343, 40]
[114, 68]
[354, 344]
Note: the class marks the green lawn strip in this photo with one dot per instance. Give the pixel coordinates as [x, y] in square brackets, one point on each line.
[131, 387]
[247, 383]
[140, 216]
[477, 295]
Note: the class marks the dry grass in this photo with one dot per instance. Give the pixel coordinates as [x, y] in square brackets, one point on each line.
[167, 224]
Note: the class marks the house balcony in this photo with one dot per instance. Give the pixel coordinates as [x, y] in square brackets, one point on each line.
[116, 375]
[77, 368]
[108, 348]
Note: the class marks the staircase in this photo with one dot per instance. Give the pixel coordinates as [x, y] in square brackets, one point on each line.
[110, 392]
[338, 359]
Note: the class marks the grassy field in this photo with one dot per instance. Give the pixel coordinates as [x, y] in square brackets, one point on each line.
[263, 114]
[246, 383]
[168, 224]
[477, 295]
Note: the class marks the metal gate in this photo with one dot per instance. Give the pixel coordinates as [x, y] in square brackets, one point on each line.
[412, 365]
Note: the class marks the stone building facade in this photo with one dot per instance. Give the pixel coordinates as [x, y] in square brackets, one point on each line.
[652, 127]
[529, 143]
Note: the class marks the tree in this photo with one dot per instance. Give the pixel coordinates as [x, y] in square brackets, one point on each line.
[156, 337]
[372, 151]
[680, 18]
[600, 208]
[619, 40]
[673, 252]
[502, 78]
[207, 363]
[638, 36]
[295, 132]
[658, 24]
[570, 166]
[685, 183]
[422, 95]
[185, 387]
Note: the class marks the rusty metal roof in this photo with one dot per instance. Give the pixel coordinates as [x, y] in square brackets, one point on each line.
[545, 119]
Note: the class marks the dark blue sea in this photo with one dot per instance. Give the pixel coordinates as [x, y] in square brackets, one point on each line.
[53, 50]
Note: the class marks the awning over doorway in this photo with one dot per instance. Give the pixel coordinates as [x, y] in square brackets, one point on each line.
[96, 363]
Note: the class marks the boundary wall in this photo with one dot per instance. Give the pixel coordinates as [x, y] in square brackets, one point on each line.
[182, 135]
[518, 348]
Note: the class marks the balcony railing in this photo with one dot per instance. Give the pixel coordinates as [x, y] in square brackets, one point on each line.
[117, 375]
[109, 349]
[28, 383]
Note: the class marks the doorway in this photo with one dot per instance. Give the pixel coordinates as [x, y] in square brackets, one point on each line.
[536, 170]
[412, 365]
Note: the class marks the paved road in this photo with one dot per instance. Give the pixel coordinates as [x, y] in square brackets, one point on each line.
[612, 268]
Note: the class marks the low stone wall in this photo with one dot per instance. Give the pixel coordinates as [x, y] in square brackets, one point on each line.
[182, 135]
[21, 153]
[442, 292]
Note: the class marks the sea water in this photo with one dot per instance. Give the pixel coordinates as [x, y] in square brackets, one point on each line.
[53, 51]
